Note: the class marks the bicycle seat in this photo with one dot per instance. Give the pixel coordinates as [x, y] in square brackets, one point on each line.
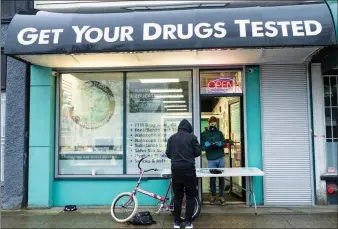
[167, 176]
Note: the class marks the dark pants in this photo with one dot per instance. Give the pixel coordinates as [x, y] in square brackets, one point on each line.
[184, 181]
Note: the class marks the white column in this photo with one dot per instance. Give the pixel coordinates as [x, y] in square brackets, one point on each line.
[319, 131]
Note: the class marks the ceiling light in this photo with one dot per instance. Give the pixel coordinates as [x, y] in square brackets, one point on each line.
[159, 80]
[174, 101]
[168, 106]
[173, 6]
[168, 96]
[166, 90]
[177, 109]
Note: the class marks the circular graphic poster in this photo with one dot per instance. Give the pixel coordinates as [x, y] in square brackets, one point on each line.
[98, 105]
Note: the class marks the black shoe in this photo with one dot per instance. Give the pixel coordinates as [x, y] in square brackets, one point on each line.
[188, 225]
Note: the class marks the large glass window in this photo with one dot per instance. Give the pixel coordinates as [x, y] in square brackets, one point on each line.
[156, 103]
[91, 124]
[330, 95]
[92, 120]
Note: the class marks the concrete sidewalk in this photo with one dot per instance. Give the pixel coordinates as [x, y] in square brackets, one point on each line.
[211, 217]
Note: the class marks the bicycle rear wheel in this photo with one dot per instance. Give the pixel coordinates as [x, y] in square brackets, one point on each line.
[197, 209]
[124, 207]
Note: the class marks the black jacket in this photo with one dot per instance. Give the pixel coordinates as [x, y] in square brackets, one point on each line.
[183, 147]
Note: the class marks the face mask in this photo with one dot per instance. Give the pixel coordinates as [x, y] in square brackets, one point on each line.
[212, 128]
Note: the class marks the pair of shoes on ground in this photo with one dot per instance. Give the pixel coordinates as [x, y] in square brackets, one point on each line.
[186, 225]
[221, 200]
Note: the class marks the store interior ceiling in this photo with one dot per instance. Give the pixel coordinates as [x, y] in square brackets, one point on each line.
[176, 58]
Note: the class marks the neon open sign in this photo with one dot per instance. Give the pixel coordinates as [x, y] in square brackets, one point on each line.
[221, 84]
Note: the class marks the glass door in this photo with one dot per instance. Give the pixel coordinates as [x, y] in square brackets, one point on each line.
[235, 133]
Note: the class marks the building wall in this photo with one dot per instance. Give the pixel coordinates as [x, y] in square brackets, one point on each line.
[15, 155]
[253, 126]
[319, 131]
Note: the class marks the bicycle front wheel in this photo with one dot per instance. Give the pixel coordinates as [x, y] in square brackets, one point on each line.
[124, 207]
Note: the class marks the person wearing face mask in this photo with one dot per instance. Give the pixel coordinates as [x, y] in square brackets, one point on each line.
[213, 143]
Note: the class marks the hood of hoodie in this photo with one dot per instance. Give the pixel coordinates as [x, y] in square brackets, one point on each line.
[185, 126]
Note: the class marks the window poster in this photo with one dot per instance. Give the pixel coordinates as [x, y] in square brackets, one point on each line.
[91, 124]
[149, 98]
[235, 118]
[91, 120]
[155, 109]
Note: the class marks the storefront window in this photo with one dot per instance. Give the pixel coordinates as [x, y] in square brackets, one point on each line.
[330, 95]
[91, 124]
[156, 102]
[91, 120]
[221, 82]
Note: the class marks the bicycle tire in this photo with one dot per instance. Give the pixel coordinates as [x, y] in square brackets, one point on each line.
[113, 205]
[196, 212]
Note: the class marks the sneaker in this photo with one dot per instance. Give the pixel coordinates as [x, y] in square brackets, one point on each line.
[188, 225]
[213, 200]
[177, 224]
[222, 200]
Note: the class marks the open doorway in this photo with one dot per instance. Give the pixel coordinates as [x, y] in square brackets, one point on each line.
[229, 113]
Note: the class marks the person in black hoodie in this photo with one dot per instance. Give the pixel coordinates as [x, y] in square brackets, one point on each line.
[182, 148]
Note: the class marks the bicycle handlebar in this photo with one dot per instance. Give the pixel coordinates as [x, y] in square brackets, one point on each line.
[148, 170]
[141, 161]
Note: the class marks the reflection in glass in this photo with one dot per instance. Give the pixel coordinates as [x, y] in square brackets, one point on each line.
[328, 122]
[327, 91]
[156, 103]
[332, 160]
[330, 90]
[334, 122]
[334, 91]
[91, 124]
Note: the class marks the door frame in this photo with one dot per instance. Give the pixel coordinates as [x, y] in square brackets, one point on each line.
[243, 152]
[198, 115]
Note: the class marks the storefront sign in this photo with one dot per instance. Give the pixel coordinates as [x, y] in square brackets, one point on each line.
[168, 30]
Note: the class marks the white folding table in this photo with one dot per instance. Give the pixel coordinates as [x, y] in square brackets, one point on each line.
[249, 172]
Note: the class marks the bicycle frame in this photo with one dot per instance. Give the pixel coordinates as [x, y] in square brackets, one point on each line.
[150, 194]
[162, 199]
[163, 205]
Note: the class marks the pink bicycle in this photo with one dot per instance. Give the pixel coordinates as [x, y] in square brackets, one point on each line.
[125, 205]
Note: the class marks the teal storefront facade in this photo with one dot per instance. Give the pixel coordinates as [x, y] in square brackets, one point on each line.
[46, 191]
[273, 64]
